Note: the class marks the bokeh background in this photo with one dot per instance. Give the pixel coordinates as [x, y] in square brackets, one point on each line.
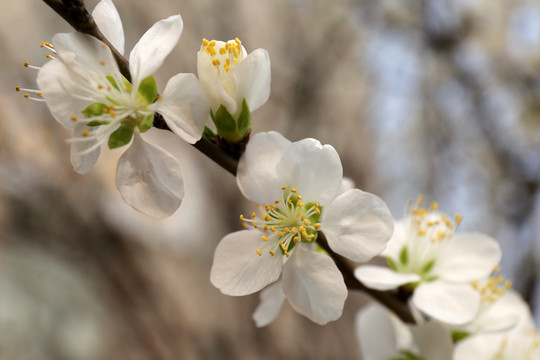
[439, 97]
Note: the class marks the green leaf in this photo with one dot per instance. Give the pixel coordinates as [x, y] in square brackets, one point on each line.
[244, 119]
[121, 136]
[146, 123]
[404, 255]
[98, 123]
[148, 90]
[95, 109]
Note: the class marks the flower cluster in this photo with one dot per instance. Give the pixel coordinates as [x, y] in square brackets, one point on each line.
[307, 215]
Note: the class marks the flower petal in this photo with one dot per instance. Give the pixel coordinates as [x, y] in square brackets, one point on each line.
[212, 85]
[250, 79]
[468, 257]
[256, 175]
[379, 278]
[500, 315]
[313, 169]
[433, 340]
[400, 237]
[451, 303]
[149, 179]
[314, 286]
[82, 159]
[357, 225]
[153, 47]
[376, 334]
[109, 23]
[184, 107]
[53, 80]
[238, 269]
[271, 301]
[86, 54]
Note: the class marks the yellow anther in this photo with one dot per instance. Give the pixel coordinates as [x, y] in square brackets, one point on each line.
[26, 96]
[294, 230]
[276, 201]
[204, 42]
[48, 55]
[299, 197]
[264, 238]
[272, 228]
[241, 217]
[265, 226]
[17, 88]
[421, 232]
[284, 187]
[434, 206]
[280, 217]
[253, 215]
[301, 228]
[274, 207]
[259, 252]
[268, 218]
[216, 62]
[102, 62]
[26, 64]
[73, 117]
[317, 226]
[307, 222]
[111, 106]
[222, 51]
[287, 230]
[296, 238]
[272, 252]
[287, 254]
[85, 132]
[39, 94]
[236, 62]
[293, 190]
[212, 43]
[237, 40]
[267, 207]
[244, 225]
[106, 110]
[113, 113]
[458, 218]
[281, 233]
[254, 224]
[301, 204]
[100, 86]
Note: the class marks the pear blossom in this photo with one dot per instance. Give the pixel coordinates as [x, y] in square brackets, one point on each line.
[235, 84]
[382, 336]
[85, 91]
[520, 342]
[427, 256]
[297, 184]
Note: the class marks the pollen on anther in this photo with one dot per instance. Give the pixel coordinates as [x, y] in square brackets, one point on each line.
[26, 64]
[259, 252]
[300, 203]
[284, 187]
[255, 225]
[242, 217]
[317, 226]
[73, 117]
[253, 215]
[17, 88]
[27, 96]
[293, 190]
[276, 201]
[264, 238]
[85, 132]
[102, 63]
[272, 252]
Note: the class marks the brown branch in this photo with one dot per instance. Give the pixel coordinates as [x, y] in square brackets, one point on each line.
[75, 13]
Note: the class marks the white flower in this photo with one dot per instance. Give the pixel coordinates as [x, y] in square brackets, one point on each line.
[383, 336]
[297, 183]
[521, 342]
[229, 76]
[85, 91]
[424, 254]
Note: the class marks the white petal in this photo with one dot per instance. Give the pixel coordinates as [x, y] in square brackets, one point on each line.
[400, 237]
[212, 85]
[477, 347]
[238, 269]
[85, 53]
[376, 334]
[53, 80]
[271, 300]
[250, 79]
[468, 257]
[256, 175]
[184, 107]
[314, 286]
[108, 21]
[433, 340]
[313, 169]
[453, 304]
[83, 163]
[153, 47]
[149, 179]
[500, 315]
[379, 278]
[357, 225]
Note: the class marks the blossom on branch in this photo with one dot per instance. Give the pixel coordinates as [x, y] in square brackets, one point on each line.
[85, 91]
[297, 184]
[235, 83]
[427, 257]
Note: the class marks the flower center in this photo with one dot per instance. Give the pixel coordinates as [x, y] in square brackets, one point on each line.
[225, 55]
[286, 222]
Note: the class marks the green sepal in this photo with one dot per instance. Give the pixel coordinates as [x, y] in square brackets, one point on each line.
[458, 335]
[244, 120]
[391, 264]
[121, 136]
[98, 123]
[224, 121]
[427, 268]
[95, 109]
[208, 133]
[404, 255]
[148, 90]
[146, 123]
[112, 81]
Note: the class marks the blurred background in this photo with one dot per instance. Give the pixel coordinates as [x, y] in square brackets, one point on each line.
[439, 97]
